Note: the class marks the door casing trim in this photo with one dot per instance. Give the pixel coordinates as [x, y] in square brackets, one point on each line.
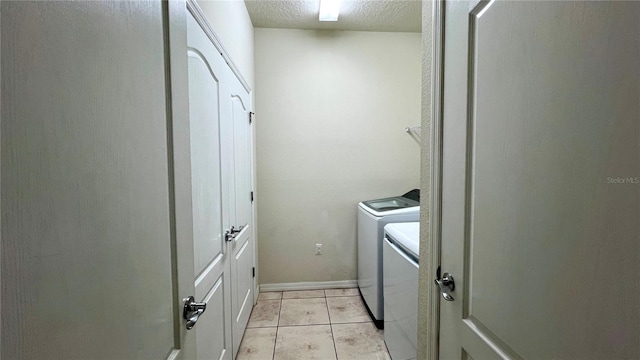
[433, 125]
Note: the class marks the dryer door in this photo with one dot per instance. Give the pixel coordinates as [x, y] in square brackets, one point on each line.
[400, 281]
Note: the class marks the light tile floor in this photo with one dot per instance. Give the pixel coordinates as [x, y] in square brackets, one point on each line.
[311, 324]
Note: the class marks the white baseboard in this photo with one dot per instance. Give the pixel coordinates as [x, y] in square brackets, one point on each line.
[313, 285]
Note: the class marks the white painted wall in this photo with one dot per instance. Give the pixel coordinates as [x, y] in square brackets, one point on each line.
[230, 21]
[86, 213]
[331, 111]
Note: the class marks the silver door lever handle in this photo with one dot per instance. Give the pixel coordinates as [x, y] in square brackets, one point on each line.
[230, 234]
[191, 322]
[446, 284]
[192, 311]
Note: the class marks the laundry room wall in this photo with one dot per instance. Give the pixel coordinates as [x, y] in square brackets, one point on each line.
[331, 110]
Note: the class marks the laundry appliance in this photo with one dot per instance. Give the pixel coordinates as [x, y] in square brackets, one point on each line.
[401, 250]
[373, 215]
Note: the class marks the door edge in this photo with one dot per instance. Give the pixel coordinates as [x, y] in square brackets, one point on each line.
[432, 121]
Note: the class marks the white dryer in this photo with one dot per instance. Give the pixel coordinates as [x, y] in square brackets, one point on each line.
[401, 250]
[373, 215]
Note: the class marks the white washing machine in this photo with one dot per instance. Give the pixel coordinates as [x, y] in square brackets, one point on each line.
[401, 250]
[373, 215]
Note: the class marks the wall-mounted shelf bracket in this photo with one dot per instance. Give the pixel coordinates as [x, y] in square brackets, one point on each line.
[414, 131]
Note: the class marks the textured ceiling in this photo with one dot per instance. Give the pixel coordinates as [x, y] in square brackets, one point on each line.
[358, 15]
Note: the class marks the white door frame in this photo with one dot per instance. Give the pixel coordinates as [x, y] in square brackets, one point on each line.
[429, 296]
[180, 169]
[0, 224]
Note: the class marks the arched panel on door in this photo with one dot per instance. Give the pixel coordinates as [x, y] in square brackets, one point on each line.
[243, 246]
[205, 160]
[208, 74]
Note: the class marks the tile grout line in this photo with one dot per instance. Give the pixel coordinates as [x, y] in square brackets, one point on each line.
[279, 312]
[333, 337]
[275, 341]
[303, 325]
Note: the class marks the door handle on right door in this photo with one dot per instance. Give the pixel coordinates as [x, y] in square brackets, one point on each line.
[446, 284]
[230, 234]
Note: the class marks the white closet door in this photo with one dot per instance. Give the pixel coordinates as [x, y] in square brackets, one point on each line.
[207, 75]
[242, 261]
[221, 143]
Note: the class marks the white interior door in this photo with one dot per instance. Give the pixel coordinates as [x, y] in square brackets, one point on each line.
[86, 225]
[242, 260]
[207, 75]
[541, 180]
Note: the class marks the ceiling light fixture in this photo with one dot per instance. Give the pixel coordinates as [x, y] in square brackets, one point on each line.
[329, 10]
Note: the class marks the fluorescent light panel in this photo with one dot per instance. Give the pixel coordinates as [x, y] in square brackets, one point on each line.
[329, 10]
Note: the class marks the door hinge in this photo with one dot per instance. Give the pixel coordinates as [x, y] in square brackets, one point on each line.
[252, 196]
[254, 272]
[251, 116]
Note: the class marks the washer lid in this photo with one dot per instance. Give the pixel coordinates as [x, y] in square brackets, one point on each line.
[414, 210]
[389, 204]
[407, 235]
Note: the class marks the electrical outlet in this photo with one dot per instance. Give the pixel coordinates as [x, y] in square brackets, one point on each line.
[318, 249]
